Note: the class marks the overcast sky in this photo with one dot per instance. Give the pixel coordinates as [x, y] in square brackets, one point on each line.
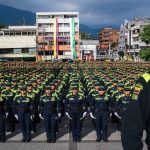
[92, 12]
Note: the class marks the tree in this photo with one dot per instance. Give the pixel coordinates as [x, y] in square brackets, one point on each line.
[145, 37]
[145, 54]
[84, 35]
[114, 45]
[2, 26]
[145, 34]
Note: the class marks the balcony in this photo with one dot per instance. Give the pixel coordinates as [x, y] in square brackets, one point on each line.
[60, 48]
[22, 55]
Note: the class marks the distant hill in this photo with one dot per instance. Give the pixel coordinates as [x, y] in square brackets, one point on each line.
[13, 16]
[85, 28]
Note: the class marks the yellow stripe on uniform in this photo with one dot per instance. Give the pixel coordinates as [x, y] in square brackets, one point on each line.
[146, 76]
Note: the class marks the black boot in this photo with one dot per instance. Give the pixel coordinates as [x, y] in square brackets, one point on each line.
[78, 139]
[74, 140]
[54, 140]
[105, 139]
[3, 140]
[23, 140]
[49, 141]
[98, 139]
[28, 140]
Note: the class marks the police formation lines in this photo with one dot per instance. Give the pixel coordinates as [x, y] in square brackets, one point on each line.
[31, 92]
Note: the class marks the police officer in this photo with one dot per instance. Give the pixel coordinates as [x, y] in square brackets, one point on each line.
[121, 105]
[75, 108]
[137, 117]
[31, 94]
[99, 110]
[24, 111]
[3, 106]
[8, 95]
[49, 109]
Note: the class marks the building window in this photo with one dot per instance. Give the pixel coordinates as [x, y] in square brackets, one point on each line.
[66, 33]
[60, 53]
[6, 51]
[44, 17]
[60, 25]
[60, 34]
[25, 50]
[66, 25]
[24, 33]
[18, 33]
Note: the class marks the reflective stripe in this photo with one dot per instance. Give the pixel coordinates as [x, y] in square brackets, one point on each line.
[146, 76]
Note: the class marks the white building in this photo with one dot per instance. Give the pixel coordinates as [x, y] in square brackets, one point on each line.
[18, 42]
[89, 49]
[57, 35]
[129, 40]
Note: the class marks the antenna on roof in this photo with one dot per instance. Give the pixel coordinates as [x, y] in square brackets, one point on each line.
[24, 21]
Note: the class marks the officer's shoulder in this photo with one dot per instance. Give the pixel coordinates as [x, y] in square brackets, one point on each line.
[119, 97]
[3, 90]
[17, 96]
[146, 77]
[68, 95]
[43, 96]
[107, 95]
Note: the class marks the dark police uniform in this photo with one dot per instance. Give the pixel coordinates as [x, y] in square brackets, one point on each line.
[100, 108]
[137, 116]
[3, 107]
[121, 107]
[75, 105]
[24, 108]
[48, 108]
[8, 95]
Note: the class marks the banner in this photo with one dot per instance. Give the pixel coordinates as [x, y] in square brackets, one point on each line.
[55, 38]
[72, 38]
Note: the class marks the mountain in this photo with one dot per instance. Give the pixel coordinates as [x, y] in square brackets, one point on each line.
[13, 16]
[85, 28]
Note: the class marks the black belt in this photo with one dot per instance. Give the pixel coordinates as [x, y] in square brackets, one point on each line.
[24, 109]
[75, 108]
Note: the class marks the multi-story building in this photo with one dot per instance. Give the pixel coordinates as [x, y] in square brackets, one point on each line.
[129, 41]
[89, 49]
[18, 42]
[107, 36]
[57, 35]
[123, 35]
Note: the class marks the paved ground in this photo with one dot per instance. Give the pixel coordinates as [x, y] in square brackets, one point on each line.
[64, 141]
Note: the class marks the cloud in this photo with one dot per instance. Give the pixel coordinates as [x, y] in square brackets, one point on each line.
[92, 12]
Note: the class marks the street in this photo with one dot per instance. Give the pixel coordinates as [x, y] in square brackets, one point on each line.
[64, 141]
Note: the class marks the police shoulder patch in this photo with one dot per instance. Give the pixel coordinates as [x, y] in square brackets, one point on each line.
[53, 99]
[137, 89]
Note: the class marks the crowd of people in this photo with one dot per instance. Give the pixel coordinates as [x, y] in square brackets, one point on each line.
[35, 91]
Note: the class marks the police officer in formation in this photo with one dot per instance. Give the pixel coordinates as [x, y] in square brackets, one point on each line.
[33, 91]
[99, 110]
[76, 109]
[3, 112]
[49, 109]
[24, 108]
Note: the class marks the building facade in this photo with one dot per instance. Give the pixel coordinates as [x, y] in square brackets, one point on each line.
[88, 49]
[129, 41]
[18, 42]
[107, 36]
[57, 35]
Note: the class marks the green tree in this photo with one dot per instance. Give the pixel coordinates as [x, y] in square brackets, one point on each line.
[84, 35]
[2, 26]
[145, 34]
[145, 37]
[145, 54]
[114, 45]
